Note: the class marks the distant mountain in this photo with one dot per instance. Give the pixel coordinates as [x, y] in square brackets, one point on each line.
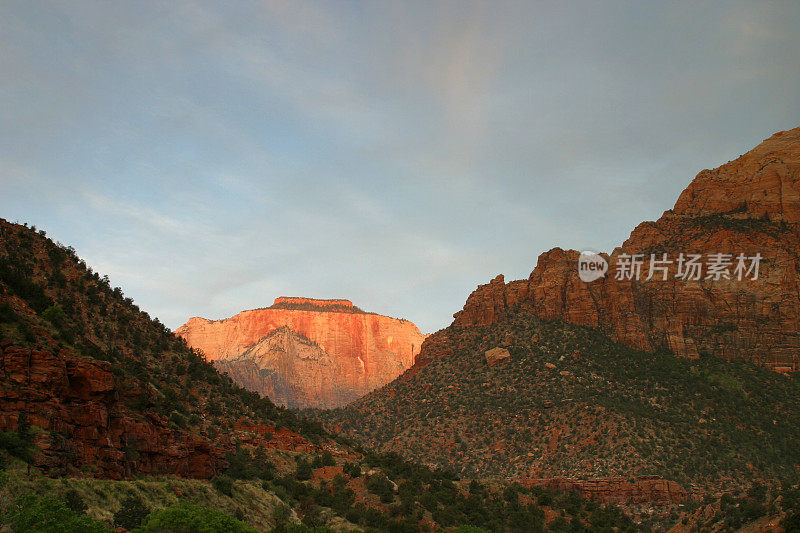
[590, 387]
[304, 352]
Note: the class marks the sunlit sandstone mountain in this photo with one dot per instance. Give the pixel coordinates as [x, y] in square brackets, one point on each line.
[748, 206]
[304, 352]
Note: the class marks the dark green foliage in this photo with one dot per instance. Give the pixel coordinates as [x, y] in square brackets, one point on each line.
[303, 471]
[17, 279]
[18, 443]
[7, 314]
[223, 485]
[791, 505]
[131, 513]
[326, 459]
[74, 501]
[192, 519]
[55, 315]
[250, 464]
[307, 306]
[31, 514]
[380, 485]
[351, 469]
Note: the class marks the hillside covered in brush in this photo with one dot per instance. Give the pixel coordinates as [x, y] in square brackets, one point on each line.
[116, 390]
[570, 402]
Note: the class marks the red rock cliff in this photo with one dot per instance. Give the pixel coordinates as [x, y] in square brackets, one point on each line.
[336, 354]
[749, 205]
[78, 404]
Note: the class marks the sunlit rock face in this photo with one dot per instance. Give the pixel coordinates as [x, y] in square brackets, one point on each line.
[304, 352]
[750, 205]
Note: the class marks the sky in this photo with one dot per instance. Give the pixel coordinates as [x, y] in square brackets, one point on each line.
[212, 156]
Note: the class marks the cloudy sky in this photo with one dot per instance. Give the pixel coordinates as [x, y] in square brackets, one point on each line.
[211, 156]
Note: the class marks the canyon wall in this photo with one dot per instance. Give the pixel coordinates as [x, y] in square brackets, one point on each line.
[80, 404]
[303, 352]
[748, 206]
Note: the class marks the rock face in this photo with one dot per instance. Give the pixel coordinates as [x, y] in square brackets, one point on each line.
[748, 206]
[78, 404]
[303, 352]
[644, 489]
[273, 366]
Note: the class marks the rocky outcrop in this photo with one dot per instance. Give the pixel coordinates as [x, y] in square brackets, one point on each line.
[291, 370]
[78, 403]
[748, 206]
[645, 489]
[496, 356]
[303, 352]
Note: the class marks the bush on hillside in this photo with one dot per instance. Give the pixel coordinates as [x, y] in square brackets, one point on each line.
[131, 513]
[48, 515]
[192, 518]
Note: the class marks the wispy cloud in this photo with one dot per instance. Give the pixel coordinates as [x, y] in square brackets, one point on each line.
[210, 157]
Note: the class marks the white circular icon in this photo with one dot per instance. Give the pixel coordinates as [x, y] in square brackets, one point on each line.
[591, 266]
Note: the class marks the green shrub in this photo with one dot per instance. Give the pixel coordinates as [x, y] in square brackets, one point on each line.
[191, 518]
[49, 515]
[55, 315]
[74, 501]
[326, 459]
[18, 443]
[131, 513]
[351, 469]
[243, 465]
[303, 471]
[7, 314]
[223, 485]
[380, 485]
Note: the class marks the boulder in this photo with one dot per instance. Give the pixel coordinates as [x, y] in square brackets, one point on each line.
[496, 356]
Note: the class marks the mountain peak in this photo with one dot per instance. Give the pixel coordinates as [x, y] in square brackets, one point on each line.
[763, 183]
[360, 351]
[314, 304]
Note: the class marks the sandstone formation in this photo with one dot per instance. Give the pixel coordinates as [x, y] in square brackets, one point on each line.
[303, 352]
[273, 366]
[496, 356]
[644, 489]
[748, 206]
[78, 402]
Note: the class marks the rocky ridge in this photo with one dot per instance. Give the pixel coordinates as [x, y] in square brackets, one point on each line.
[748, 206]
